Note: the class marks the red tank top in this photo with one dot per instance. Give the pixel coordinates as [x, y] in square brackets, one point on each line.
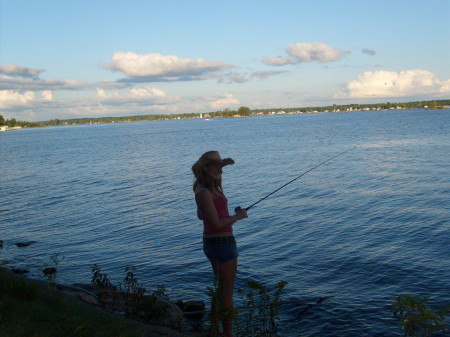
[221, 203]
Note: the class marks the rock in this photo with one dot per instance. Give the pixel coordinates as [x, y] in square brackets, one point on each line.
[193, 314]
[86, 287]
[190, 306]
[87, 298]
[20, 271]
[24, 244]
[49, 271]
[170, 315]
[146, 309]
[174, 318]
[192, 309]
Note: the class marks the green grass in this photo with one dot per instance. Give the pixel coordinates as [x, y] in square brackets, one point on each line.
[28, 308]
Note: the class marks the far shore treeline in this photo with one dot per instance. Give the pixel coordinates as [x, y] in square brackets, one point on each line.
[227, 113]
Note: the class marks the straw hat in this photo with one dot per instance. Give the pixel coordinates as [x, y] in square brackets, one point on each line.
[208, 158]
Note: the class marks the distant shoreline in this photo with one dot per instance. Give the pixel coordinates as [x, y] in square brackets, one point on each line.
[241, 112]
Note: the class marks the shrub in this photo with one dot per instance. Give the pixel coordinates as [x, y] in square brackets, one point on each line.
[257, 317]
[260, 309]
[417, 318]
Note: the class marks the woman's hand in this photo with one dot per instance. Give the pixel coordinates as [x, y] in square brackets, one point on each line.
[241, 213]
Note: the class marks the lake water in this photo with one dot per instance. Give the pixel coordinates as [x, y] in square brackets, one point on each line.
[365, 227]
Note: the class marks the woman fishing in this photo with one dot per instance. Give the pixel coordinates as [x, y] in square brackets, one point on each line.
[219, 244]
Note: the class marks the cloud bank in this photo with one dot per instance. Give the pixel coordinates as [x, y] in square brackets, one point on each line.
[22, 89]
[307, 52]
[21, 71]
[405, 83]
[21, 78]
[156, 67]
[12, 83]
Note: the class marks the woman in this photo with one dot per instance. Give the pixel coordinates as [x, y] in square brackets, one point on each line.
[219, 244]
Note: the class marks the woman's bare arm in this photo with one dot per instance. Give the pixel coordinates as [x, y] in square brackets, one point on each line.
[206, 202]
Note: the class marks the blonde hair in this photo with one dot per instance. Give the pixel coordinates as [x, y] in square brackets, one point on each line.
[201, 176]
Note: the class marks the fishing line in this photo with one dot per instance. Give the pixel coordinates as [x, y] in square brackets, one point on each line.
[301, 175]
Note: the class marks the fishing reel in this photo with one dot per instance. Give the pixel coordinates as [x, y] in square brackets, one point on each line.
[237, 209]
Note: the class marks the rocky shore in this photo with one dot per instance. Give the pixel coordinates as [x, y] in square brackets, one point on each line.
[157, 316]
[170, 324]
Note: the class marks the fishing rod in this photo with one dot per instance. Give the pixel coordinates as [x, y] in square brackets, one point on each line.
[301, 175]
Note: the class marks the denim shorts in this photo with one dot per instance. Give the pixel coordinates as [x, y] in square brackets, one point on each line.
[222, 248]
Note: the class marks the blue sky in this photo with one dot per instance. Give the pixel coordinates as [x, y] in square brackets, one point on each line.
[76, 59]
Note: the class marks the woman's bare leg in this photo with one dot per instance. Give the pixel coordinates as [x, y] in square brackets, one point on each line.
[214, 329]
[226, 272]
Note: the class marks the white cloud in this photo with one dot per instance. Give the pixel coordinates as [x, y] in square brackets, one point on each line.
[135, 96]
[147, 92]
[246, 77]
[47, 95]
[405, 83]
[266, 74]
[10, 98]
[222, 101]
[317, 51]
[18, 70]
[307, 52]
[15, 99]
[233, 78]
[445, 87]
[278, 61]
[159, 67]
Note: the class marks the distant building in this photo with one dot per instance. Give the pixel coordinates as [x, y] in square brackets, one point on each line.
[7, 128]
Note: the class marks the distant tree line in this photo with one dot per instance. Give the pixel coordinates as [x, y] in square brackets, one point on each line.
[435, 104]
[243, 111]
[227, 113]
[13, 122]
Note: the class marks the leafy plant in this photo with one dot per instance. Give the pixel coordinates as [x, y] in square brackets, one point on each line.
[417, 318]
[133, 299]
[132, 291]
[131, 285]
[53, 271]
[260, 309]
[153, 306]
[143, 305]
[218, 312]
[100, 279]
[257, 317]
[160, 292]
